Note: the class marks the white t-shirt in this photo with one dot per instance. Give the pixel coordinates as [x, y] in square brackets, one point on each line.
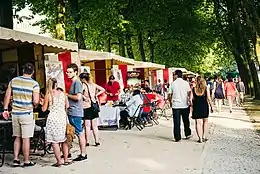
[179, 90]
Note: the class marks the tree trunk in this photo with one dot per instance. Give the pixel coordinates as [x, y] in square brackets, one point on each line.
[74, 5]
[60, 26]
[141, 46]
[108, 44]
[6, 14]
[121, 46]
[129, 47]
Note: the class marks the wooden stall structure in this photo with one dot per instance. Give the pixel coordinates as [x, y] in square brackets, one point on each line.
[102, 63]
[17, 47]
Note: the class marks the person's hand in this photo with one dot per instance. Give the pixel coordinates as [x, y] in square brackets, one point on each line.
[211, 110]
[6, 115]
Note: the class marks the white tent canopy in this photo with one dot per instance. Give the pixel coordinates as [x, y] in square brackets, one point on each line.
[150, 65]
[88, 55]
[175, 68]
[10, 38]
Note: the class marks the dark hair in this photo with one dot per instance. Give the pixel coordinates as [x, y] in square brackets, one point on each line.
[230, 79]
[110, 78]
[73, 66]
[147, 89]
[28, 68]
[178, 73]
[85, 76]
[43, 91]
[136, 92]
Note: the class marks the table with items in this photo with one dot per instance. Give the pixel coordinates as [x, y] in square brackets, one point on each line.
[109, 116]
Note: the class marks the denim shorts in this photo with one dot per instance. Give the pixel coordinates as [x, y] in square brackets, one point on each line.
[76, 122]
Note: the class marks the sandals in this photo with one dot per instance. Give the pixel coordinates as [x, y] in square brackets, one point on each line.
[67, 163]
[199, 141]
[30, 164]
[16, 163]
[205, 139]
[56, 165]
[97, 144]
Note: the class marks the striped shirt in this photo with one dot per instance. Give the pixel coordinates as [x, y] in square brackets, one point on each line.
[23, 89]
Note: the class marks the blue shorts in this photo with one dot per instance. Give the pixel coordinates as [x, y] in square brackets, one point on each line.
[76, 122]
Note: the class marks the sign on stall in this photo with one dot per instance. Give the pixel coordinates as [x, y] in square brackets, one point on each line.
[54, 69]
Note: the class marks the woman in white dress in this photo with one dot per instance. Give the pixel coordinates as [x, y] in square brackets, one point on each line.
[57, 103]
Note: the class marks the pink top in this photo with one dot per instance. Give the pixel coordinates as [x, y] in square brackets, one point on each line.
[230, 88]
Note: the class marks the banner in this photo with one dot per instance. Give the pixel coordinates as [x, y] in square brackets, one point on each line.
[55, 70]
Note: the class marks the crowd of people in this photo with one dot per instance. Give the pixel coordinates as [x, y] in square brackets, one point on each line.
[80, 105]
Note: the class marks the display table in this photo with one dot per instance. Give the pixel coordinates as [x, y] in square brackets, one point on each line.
[109, 116]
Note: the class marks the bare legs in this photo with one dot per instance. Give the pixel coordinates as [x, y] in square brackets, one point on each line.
[88, 124]
[17, 147]
[82, 143]
[201, 126]
[219, 104]
[230, 102]
[26, 150]
[65, 151]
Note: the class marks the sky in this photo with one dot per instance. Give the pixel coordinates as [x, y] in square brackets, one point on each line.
[26, 25]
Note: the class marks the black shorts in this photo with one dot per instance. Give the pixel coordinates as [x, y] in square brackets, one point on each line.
[89, 114]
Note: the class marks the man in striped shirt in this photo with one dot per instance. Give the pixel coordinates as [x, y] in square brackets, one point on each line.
[25, 93]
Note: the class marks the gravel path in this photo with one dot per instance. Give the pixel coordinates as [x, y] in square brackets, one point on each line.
[234, 147]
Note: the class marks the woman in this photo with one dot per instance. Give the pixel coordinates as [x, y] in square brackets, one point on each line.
[219, 93]
[57, 103]
[90, 93]
[112, 89]
[200, 102]
[231, 92]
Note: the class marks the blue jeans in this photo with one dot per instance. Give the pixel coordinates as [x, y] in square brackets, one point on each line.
[177, 113]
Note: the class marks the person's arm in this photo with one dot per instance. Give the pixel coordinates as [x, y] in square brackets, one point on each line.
[78, 92]
[36, 95]
[224, 89]
[170, 95]
[209, 100]
[66, 103]
[100, 90]
[118, 88]
[7, 100]
[130, 102]
[46, 102]
[188, 92]
[243, 87]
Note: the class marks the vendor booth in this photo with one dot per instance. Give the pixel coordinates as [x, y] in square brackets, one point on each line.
[147, 69]
[17, 47]
[101, 65]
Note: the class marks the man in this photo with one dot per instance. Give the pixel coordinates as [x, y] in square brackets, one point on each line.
[165, 88]
[75, 111]
[26, 96]
[241, 92]
[179, 97]
[159, 87]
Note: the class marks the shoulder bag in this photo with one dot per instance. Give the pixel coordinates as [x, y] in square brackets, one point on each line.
[93, 105]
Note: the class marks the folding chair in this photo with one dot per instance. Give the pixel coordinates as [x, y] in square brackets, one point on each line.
[152, 114]
[136, 120]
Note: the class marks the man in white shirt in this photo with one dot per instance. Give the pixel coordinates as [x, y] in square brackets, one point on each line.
[179, 97]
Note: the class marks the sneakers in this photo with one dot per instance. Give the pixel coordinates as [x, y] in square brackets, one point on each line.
[69, 156]
[81, 158]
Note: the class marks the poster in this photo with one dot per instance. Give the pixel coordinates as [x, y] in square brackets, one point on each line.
[133, 78]
[55, 70]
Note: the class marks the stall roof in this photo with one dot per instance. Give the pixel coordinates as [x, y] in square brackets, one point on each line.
[150, 65]
[175, 68]
[12, 38]
[89, 56]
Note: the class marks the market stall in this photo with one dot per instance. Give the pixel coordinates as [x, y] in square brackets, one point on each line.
[147, 69]
[17, 47]
[102, 64]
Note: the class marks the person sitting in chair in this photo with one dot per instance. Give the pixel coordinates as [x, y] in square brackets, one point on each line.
[132, 107]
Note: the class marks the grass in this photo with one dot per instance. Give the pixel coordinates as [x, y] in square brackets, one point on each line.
[252, 108]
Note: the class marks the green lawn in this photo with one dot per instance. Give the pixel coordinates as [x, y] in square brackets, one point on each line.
[253, 109]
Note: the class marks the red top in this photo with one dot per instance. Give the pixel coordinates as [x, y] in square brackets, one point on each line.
[150, 97]
[113, 89]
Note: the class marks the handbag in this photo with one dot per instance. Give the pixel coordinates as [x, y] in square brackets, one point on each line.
[94, 105]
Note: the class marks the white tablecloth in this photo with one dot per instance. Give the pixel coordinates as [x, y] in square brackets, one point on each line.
[109, 116]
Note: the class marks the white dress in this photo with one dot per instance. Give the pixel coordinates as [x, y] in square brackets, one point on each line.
[56, 120]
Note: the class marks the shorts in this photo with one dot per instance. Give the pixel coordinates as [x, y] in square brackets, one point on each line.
[89, 114]
[76, 122]
[23, 125]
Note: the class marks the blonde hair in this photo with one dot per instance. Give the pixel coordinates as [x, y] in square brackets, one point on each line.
[200, 86]
[50, 86]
